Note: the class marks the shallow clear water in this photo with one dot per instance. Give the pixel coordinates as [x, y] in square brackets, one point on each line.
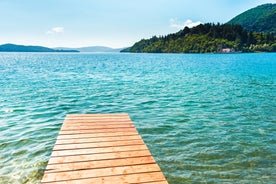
[206, 118]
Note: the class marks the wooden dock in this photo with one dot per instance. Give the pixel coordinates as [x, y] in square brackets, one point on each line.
[101, 148]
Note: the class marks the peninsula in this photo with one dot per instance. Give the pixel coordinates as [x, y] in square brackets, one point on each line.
[251, 31]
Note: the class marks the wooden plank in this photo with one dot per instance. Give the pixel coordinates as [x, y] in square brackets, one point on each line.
[97, 144]
[63, 132]
[99, 118]
[99, 150]
[85, 127]
[99, 164]
[96, 123]
[97, 115]
[100, 156]
[119, 179]
[104, 148]
[98, 139]
[81, 174]
[106, 134]
[91, 121]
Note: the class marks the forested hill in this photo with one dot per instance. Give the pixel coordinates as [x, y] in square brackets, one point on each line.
[259, 19]
[208, 38]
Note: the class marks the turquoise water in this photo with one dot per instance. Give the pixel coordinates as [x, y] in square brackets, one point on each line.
[206, 118]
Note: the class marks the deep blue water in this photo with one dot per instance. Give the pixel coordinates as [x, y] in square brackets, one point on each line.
[206, 118]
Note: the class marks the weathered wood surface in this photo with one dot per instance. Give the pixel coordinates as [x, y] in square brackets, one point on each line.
[101, 149]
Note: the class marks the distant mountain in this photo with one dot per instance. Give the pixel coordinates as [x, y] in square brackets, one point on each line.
[93, 49]
[259, 19]
[23, 48]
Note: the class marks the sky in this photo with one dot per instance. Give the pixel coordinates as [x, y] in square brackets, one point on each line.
[112, 23]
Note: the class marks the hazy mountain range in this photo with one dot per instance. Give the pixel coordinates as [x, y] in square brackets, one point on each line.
[92, 49]
[23, 48]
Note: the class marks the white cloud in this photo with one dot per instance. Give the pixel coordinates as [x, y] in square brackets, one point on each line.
[56, 30]
[180, 25]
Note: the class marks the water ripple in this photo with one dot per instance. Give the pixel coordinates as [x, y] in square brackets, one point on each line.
[205, 118]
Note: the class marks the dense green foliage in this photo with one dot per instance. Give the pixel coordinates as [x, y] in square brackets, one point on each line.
[208, 38]
[259, 19]
[22, 48]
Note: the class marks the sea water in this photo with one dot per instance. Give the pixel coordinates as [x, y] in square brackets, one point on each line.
[206, 118]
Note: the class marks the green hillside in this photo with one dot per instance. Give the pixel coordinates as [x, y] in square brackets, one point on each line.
[208, 38]
[259, 19]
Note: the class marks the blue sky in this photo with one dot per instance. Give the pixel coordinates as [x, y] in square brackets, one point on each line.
[114, 23]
